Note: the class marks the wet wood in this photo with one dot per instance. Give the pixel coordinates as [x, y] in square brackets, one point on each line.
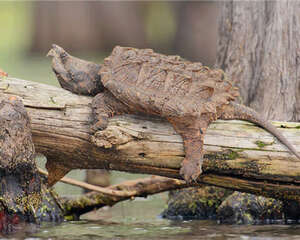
[238, 155]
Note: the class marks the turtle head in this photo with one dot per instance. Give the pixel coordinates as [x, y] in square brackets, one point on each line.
[74, 74]
[57, 52]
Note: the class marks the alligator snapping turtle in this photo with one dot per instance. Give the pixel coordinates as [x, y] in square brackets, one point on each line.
[189, 95]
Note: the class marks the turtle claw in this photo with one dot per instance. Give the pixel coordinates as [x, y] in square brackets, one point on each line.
[190, 170]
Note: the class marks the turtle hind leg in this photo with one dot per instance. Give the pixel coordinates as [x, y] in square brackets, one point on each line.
[105, 106]
[192, 133]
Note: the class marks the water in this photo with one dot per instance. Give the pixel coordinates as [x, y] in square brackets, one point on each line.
[139, 219]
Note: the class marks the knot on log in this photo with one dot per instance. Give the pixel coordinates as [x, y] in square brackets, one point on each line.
[111, 136]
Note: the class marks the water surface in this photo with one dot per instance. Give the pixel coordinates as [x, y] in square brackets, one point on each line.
[139, 219]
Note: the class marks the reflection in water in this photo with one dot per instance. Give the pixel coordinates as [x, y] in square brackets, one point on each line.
[139, 219]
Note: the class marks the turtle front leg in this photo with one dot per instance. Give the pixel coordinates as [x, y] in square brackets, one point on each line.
[192, 132]
[105, 106]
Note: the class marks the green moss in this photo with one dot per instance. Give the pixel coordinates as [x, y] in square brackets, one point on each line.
[232, 155]
[195, 203]
[192, 206]
[69, 218]
[229, 154]
[44, 208]
[211, 202]
[262, 144]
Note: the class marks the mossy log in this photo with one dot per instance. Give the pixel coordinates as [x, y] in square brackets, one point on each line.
[238, 155]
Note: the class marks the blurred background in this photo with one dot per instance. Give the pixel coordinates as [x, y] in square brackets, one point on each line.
[90, 29]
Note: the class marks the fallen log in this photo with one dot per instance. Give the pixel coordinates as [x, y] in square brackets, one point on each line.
[238, 155]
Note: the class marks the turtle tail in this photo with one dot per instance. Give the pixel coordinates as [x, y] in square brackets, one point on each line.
[235, 111]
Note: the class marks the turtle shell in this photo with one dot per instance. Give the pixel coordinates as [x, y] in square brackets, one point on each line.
[169, 86]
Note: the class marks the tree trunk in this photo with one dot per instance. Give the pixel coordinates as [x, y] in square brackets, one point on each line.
[259, 49]
[236, 156]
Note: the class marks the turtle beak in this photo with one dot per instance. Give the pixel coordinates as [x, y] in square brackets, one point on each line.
[55, 51]
[51, 53]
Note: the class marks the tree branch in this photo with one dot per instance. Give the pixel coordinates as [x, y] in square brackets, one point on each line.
[140, 187]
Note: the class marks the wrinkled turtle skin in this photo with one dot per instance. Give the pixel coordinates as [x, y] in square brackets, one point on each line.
[139, 81]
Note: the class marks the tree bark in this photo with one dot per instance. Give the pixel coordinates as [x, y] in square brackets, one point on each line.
[259, 47]
[238, 155]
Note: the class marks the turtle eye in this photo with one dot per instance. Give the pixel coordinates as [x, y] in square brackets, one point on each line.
[63, 55]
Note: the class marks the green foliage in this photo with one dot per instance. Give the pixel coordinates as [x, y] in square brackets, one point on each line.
[15, 25]
[16, 31]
